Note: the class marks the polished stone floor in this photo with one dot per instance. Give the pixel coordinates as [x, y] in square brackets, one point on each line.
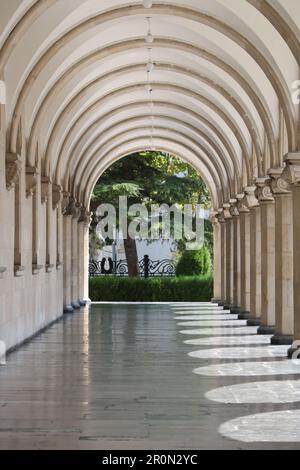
[143, 377]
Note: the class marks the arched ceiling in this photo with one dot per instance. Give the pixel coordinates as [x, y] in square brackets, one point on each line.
[75, 74]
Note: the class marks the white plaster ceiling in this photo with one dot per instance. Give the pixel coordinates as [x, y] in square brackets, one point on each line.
[75, 74]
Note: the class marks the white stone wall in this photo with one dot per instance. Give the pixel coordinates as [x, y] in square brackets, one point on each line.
[30, 302]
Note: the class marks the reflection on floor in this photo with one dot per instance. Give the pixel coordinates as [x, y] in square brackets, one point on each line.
[233, 349]
[121, 377]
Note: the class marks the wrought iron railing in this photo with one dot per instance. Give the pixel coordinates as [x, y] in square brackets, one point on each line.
[147, 267]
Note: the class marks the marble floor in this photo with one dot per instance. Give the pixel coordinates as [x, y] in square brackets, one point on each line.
[179, 376]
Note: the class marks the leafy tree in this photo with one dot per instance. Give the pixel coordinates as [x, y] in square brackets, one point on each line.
[148, 178]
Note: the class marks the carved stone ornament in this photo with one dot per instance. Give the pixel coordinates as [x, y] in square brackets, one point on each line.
[85, 217]
[263, 190]
[13, 169]
[220, 216]
[49, 268]
[241, 207]
[19, 270]
[233, 207]
[291, 173]
[65, 202]
[31, 180]
[2, 271]
[250, 199]
[45, 188]
[36, 268]
[213, 217]
[226, 208]
[72, 209]
[56, 195]
[278, 185]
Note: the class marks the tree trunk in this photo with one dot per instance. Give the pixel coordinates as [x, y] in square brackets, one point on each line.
[131, 257]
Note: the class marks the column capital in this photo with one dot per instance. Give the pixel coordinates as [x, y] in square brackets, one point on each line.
[45, 188]
[291, 172]
[31, 180]
[278, 185]
[57, 195]
[220, 216]
[72, 208]
[263, 190]
[241, 206]
[85, 217]
[226, 211]
[13, 165]
[250, 198]
[65, 201]
[213, 217]
[233, 207]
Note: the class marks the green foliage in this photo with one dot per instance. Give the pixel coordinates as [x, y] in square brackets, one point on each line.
[155, 289]
[194, 262]
[150, 178]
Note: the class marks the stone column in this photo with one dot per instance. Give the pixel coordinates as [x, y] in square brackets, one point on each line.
[217, 258]
[223, 254]
[291, 174]
[228, 255]
[284, 310]
[83, 250]
[57, 206]
[255, 267]
[67, 253]
[15, 179]
[251, 202]
[244, 257]
[234, 299]
[75, 259]
[46, 189]
[267, 212]
[33, 190]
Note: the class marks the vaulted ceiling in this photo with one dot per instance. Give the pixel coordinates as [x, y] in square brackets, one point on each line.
[77, 85]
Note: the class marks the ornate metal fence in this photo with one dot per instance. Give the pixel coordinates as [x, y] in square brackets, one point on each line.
[148, 267]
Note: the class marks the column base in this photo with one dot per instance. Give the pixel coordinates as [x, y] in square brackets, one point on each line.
[253, 321]
[282, 339]
[294, 351]
[68, 309]
[76, 305]
[87, 300]
[235, 310]
[244, 315]
[227, 307]
[221, 304]
[215, 301]
[82, 303]
[266, 330]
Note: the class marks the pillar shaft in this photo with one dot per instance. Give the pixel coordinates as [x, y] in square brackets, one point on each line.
[296, 255]
[257, 311]
[228, 261]
[267, 267]
[217, 262]
[284, 311]
[67, 249]
[234, 300]
[74, 264]
[245, 263]
[223, 261]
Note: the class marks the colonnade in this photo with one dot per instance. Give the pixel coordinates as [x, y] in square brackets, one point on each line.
[44, 251]
[257, 254]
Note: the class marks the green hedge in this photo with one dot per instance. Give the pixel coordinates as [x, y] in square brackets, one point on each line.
[155, 289]
[194, 263]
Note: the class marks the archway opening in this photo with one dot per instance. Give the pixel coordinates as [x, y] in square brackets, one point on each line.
[150, 220]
